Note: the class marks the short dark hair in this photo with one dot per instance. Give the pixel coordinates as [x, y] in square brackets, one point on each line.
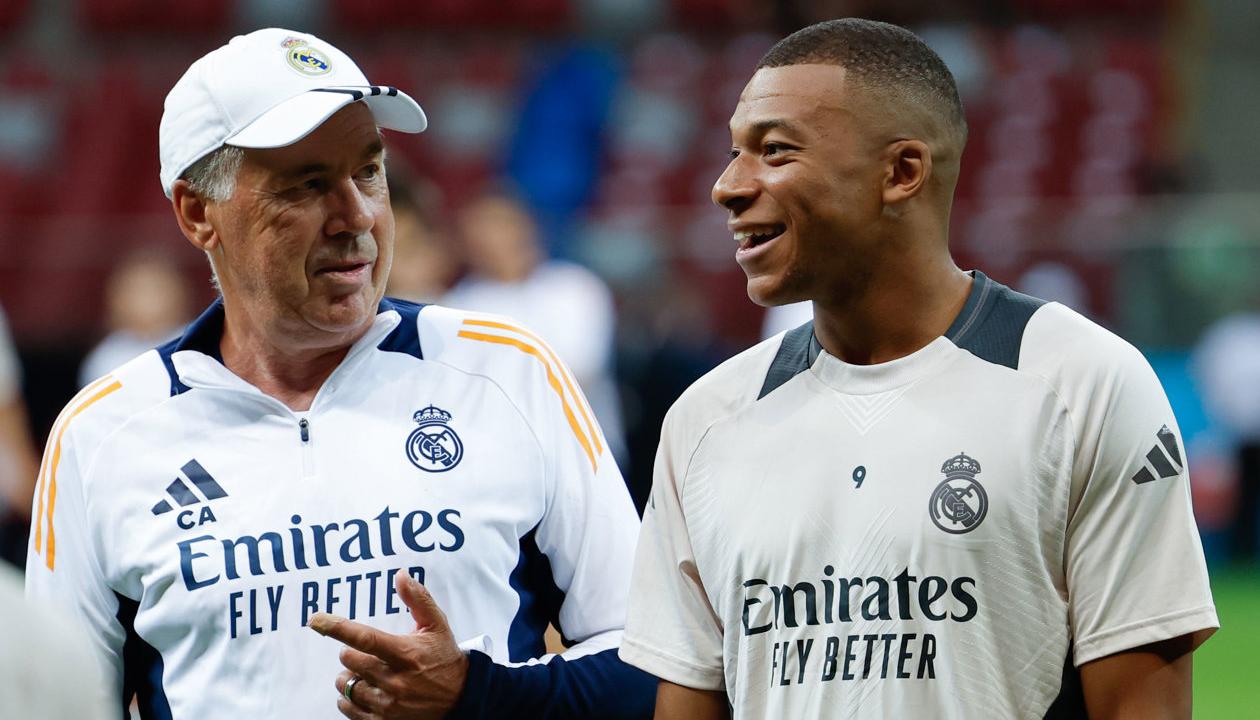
[880, 56]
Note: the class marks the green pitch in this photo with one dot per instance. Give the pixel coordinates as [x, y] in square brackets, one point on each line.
[1226, 678]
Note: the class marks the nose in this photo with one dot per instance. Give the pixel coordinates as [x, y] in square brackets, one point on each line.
[736, 187]
[351, 211]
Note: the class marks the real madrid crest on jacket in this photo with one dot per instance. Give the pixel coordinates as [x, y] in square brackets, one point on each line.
[451, 446]
[946, 535]
[434, 446]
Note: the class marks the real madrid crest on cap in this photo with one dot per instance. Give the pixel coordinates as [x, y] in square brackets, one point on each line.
[434, 446]
[304, 58]
[959, 503]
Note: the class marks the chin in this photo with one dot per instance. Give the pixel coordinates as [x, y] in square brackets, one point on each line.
[772, 291]
[345, 314]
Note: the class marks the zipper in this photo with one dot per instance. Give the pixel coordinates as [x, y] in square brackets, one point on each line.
[308, 459]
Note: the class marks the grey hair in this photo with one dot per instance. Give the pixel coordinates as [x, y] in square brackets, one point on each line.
[213, 177]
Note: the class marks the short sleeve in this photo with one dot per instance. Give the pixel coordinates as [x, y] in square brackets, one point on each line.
[1134, 562]
[672, 630]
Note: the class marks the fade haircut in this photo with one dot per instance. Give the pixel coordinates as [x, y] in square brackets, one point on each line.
[881, 57]
[213, 177]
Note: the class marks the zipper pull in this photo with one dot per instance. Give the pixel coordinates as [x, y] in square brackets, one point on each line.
[305, 427]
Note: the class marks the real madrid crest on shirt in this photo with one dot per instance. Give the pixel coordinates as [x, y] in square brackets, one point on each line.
[434, 446]
[959, 503]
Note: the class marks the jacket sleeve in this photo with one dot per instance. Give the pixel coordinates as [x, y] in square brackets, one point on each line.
[63, 571]
[574, 573]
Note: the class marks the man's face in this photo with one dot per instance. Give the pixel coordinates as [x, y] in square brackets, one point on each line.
[306, 240]
[803, 188]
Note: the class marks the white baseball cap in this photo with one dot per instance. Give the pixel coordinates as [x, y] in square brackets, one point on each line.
[268, 89]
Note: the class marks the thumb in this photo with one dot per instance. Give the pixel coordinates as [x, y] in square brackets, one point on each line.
[420, 602]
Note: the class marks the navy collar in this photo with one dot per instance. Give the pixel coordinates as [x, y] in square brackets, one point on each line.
[203, 334]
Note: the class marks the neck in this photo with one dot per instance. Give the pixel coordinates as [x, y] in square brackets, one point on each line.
[288, 368]
[902, 307]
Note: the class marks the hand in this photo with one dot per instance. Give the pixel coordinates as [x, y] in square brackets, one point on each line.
[414, 676]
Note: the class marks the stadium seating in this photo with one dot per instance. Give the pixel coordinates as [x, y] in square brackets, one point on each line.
[1057, 113]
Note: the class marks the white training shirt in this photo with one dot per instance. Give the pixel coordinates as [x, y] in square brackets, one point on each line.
[191, 524]
[946, 535]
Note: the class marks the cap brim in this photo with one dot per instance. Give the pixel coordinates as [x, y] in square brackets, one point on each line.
[297, 117]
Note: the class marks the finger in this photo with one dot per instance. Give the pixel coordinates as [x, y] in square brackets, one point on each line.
[389, 648]
[419, 600]
[364, 694]
[365, 665]
[342, 678]
[354, 712]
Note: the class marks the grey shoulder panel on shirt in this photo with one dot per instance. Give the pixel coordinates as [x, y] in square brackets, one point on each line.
[793, 358]
[991, 324]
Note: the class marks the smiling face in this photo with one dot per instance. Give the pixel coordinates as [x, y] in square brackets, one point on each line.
[804, 187]
[303, 246]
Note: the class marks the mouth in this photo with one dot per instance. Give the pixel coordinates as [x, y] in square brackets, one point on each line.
[349, 271]
[752, 237]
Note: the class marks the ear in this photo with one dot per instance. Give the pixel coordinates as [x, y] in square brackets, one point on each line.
[909, 167]
[190, 213]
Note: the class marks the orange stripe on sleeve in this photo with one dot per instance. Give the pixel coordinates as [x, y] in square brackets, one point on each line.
[39, 494]
[551, 378]
[50, 558]
[577, 397]
[66, 414]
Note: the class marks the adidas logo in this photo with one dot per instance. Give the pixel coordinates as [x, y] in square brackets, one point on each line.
[1164, 459]
[182, 494]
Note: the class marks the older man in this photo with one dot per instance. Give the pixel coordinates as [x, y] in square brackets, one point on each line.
[309, 447]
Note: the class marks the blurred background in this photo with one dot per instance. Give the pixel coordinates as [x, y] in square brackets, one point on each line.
[565, 179]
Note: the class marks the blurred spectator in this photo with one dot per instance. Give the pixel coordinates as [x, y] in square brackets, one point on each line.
[424, 266]
[1229, 374]
[565, 303]
[17, 456]
[667, 342]
[45, 669]
[146, 304]
[555, 154]
[1056, 282]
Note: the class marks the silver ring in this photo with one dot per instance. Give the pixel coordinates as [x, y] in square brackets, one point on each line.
[348, 689]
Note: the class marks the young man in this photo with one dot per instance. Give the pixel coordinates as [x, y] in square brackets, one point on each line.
[310, 447]
[941, 498]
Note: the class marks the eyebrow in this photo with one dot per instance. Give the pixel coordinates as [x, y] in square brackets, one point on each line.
[761, 127]
[773, 124]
